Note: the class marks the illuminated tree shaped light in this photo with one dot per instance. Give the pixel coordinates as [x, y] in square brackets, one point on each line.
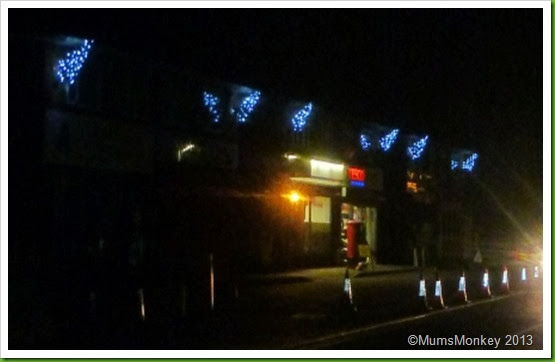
[454, 164]
[388, 140]
[417, 148]
[68, 68]
[212, 103]
[247, 106]
[470, 162]
[364, 142]
[300, 118]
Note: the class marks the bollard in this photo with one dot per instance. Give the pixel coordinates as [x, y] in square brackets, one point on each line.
[92, 303]
[235, 291]
[422, 295]
[505, 281]
[211, 282]
[438, 294]
[486, 292]
[348, 293]
[183, 301]
[142, 303]
[462, 296]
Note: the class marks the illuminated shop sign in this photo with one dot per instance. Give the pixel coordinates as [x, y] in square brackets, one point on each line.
[357, 176]
[326, 170]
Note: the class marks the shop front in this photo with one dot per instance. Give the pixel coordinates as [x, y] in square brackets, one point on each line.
[359, 215]
[338, 197]
[320, 182]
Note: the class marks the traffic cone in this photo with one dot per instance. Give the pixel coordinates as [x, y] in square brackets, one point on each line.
[348, 303]
[422, 297]
[438, 294]
[505, 281]
[486, 292]
[462, 296]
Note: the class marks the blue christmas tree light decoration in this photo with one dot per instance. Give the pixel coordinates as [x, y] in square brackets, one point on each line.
[247, 106]
[300, 118]
[388, 140]
[454, 164]
[417, 148]
[364, 142]
[470, 162]
[68, 68]
[212, 103]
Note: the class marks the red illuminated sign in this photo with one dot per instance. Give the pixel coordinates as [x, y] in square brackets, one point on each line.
[356, 174]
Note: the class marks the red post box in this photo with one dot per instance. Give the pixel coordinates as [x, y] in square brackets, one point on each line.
[355, 236]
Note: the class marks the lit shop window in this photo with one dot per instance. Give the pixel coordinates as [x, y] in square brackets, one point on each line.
[326, 170]
[412, 187]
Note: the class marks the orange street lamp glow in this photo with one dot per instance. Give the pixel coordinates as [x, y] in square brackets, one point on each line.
[294, 197]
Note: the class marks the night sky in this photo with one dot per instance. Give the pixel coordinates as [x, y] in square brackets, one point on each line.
[471, 78]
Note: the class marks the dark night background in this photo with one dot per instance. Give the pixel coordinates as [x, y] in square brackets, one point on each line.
[469, 77]
[103, 217]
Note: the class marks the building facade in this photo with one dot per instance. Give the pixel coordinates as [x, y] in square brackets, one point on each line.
[210, 167]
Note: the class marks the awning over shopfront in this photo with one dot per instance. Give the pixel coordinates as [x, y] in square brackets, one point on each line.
[318, 181]
[322, 173]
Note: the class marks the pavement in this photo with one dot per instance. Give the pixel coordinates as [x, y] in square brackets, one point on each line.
[276, 310]
[514, 321]
[264, 311]
[313, 274]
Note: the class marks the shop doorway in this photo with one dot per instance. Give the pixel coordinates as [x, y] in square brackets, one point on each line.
[368, 216]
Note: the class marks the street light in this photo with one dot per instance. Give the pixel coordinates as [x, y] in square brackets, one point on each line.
[294, 197]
